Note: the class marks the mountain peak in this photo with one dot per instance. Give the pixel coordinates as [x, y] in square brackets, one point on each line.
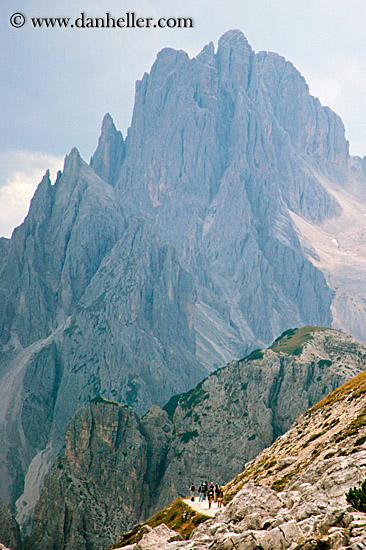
[207, 55]
[74, 154]
[107, 123]
[234, 38]
[109, 154]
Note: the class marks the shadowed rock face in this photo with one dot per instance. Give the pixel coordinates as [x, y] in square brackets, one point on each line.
[98, 483]
[172, 253]
[9, 529]
[118, 469]
[110, 152]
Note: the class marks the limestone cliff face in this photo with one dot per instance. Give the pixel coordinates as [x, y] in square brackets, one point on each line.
[98, 487]
[218, 182]
[56, 251]
[134, 467]
[110, 153]
[99, 306]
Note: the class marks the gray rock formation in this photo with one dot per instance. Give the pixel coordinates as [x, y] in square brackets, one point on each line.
[236, 165]
[147, 538]
[197, 238]
[100, 306]
[110, 153]
[118, 470]
[98, 484]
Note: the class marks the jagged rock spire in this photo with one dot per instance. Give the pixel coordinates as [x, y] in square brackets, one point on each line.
[110, 152]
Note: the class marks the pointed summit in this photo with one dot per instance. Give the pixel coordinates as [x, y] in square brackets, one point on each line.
[234, 38]
[207, 55]
[108, 124]
[109, 155]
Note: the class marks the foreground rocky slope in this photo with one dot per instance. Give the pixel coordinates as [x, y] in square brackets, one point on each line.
[293, 494]
[118, 469]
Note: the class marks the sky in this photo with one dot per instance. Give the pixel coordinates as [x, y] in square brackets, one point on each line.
[57, 84]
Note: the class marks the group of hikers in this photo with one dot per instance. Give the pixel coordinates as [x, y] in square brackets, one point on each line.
[212, 492]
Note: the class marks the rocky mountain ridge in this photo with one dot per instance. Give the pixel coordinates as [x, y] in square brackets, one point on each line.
[118, 469]
[293, 494]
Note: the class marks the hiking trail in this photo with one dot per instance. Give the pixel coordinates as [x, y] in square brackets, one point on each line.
[202, 507]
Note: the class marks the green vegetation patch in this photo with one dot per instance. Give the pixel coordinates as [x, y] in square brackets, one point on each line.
[280, 484]
[256, 354]
[100, 399]
[186, 400]
[194, 397]
[172, 404]
[360, 440]
[324, 363]
[187, 436]
[354, 427]
[329, 455]
[313, 437]
[178, 516]
[292, 341]
[356, 497]
[314, 544]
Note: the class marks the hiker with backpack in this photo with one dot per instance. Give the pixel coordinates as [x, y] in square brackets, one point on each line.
[216, 491]
[220, 496]
[205, 489]
[192, 490]
[210, 495]
[201, 492]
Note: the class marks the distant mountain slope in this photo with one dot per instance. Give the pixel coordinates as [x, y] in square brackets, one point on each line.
[202, 235]
[118, 469]
[9, 529]
[98, 306]
[219, 183]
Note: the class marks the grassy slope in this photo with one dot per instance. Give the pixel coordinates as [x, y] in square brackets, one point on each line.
[336, 426]
[177, 515]
[293, 340]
